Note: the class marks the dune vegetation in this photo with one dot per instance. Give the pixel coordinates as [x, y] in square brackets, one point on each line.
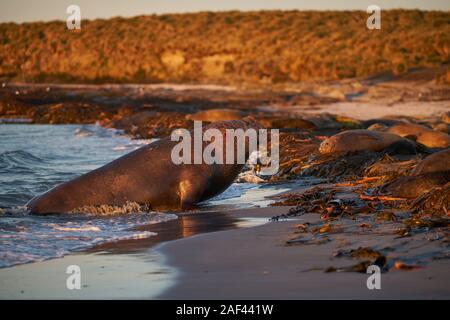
[233, 47]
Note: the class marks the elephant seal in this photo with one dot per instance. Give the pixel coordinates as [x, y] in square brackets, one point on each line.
[145, 176]
[424, 135]
[441, 127]
[382, 121]
[414, 186]
[436, 201]
[358, 140]
[213, 115]
[439, 161]
[402, 147]
[377, 127]
[445, 117]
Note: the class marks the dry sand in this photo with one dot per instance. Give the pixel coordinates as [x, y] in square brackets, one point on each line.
[374, 110]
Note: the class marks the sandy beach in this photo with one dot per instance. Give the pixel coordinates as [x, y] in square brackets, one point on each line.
[255, 263]
[247, 259]
[130, 269]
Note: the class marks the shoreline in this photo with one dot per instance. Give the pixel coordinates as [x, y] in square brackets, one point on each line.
[251, 261]
[127, 269]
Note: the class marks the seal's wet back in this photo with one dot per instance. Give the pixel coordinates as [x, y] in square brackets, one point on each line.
[146, 176]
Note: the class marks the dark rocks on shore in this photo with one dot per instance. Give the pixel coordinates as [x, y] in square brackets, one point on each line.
[61, 113]
[296, 149]
[279, 122]
[54, 113]
[152, 124]
[12, 108]
[324, 121]
[213, 115]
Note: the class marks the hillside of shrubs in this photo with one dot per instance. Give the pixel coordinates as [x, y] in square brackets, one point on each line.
[264, 47]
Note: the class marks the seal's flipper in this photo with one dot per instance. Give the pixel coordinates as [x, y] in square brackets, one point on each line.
[190, 193]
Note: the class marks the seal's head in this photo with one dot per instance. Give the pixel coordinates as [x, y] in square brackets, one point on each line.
[378, 127]
[446, 117]
[251, 122]
[328, 145]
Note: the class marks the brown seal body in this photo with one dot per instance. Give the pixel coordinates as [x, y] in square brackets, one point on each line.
[446, 117]
[436, 201]
[423, 135]
[145, 176]
[414, 186]
[439, 161]
[442, 127]
[358, 140]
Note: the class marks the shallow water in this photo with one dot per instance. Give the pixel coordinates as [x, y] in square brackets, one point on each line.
[34, 158]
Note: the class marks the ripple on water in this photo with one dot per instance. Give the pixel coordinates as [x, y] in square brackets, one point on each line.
[34, 158]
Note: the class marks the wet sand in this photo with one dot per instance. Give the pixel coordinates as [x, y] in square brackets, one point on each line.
[255, 263]
[130, 269]
[103, 276]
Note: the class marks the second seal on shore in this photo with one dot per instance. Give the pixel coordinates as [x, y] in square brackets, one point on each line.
[358, 140]
[423, 135]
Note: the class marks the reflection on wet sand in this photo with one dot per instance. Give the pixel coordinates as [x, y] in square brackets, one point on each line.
[143, 272]
[185, 226]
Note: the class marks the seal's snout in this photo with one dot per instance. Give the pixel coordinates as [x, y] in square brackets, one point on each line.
[252, 123]
[34, 206]
[325, 146]
[46, 203]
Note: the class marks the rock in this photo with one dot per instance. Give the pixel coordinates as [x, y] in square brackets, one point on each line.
[286, 123]
[213, 115]
[70, 112]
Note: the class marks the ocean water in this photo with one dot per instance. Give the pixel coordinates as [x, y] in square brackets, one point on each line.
[34, 158]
